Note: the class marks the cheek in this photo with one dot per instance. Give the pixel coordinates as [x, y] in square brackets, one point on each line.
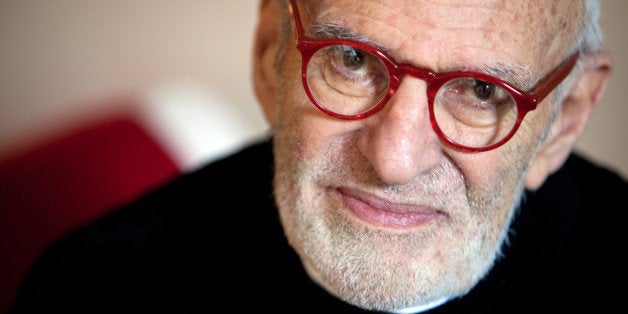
[308, 130]
[298, 123]
[481, 169]
[508, 162]
[498, 170]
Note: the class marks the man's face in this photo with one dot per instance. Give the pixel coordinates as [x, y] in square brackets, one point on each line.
[382, 213]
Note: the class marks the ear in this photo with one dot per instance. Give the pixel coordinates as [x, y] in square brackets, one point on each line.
[572, 118]
[264, 54]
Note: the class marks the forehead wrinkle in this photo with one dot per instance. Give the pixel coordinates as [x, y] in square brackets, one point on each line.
[456, 15]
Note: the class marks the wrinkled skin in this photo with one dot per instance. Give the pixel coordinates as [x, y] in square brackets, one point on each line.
[381, 212]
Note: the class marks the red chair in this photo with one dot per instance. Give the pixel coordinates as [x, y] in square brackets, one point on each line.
[67, 181]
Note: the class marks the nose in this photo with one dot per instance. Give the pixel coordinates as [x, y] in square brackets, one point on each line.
[399, 140]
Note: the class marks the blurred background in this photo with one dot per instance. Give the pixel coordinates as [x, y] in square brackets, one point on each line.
[185, 62]
[78, 77]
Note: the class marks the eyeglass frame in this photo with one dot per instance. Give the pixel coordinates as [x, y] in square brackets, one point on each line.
[525, 101]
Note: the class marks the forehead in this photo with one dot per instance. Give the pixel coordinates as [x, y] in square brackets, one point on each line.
[446, 34]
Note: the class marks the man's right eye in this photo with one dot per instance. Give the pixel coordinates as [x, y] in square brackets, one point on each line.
[352, 59]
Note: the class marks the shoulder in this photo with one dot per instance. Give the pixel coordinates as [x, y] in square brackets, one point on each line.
[585, 186]
[584, 199]
[585, 173]
[575, 217]
[162, 243]
[196, 199]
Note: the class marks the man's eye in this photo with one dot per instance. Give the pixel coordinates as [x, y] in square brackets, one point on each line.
[352, 59]
[485, 92]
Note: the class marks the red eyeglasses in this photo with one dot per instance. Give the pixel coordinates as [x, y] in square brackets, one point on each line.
[471, 111]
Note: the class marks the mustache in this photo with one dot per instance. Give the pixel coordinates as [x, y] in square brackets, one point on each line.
[346, 166]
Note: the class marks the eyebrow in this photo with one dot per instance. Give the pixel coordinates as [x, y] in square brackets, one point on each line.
[338, 31]
[519, 76]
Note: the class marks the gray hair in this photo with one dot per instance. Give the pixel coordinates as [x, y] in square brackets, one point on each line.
[589, 38]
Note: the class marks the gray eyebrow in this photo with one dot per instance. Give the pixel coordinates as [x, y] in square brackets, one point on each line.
[519, 76]
[337, 30]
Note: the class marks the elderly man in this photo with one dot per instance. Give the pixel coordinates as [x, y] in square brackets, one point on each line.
[420, 161]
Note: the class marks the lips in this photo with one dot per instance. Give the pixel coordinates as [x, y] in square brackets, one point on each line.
[384, 213]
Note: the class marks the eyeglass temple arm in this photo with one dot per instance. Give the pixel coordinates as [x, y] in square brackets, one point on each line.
[294, 13]
[547, 84]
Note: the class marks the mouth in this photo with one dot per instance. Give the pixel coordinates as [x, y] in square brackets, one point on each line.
[385, 213]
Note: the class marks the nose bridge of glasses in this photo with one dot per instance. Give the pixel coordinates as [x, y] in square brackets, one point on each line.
[401, 71]
[410, 70]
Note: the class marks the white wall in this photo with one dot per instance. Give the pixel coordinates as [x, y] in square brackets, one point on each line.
[58, 56]
[60, 60]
